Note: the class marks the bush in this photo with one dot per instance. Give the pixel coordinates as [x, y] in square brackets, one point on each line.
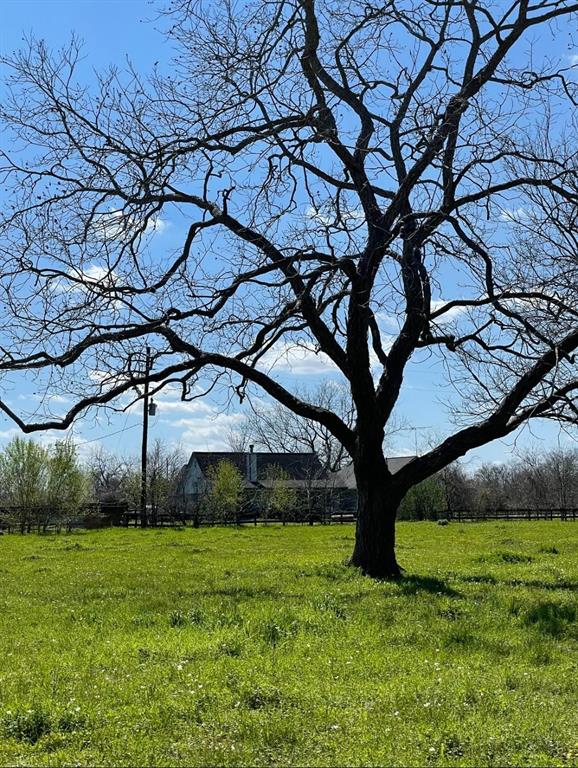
[423, 501]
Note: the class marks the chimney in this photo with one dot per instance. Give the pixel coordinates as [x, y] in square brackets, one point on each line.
[251, 460]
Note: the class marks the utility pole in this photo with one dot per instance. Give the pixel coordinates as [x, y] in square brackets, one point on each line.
[144, 451]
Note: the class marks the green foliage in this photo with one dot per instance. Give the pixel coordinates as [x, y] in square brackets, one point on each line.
[281, 500]
[423, 501]
[23, 480]
[67, 484]
[25, 725]
[258, 646]
[44, 484]
[23, 469]
[225, 492]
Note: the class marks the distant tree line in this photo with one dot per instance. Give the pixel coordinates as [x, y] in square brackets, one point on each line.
[52, 486]
[532, 481]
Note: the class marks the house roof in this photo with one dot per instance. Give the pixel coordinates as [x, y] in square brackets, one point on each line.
[345, 477]
[298, 466]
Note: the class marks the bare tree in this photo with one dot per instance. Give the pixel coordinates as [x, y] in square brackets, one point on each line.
[108, 474]
[278, 429]
[457, 488]
[340, 167]
[492, 481]
[528, 477]
[562, 466]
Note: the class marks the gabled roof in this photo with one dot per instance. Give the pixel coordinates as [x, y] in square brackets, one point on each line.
[298, 466]
[345, 477]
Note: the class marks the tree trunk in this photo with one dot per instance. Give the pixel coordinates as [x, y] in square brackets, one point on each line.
[377, 505]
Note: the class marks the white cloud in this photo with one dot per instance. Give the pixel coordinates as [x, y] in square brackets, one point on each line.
[84, 279]
[108, 378]
[114, 224]
[389, 322]
[8, 434]
[179, 406]
[514, 215]
[158, 226]
[206, 431]
[300, 360]
[573, 57]
[169, 404]
[452, 314]
[97, 275]
[51, 398]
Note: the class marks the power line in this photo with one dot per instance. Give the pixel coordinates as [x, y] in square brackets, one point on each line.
[111, 434]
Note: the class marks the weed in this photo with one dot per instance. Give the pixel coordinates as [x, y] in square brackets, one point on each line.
[276, 629]
[27, 725]
[551, 618]
[178, 618]
[460, 635]
[505, 556]
[260, 697]
[549, 550]
[71, 721]
[328, 603]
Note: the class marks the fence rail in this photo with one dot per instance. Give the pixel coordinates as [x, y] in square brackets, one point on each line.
[519, 513]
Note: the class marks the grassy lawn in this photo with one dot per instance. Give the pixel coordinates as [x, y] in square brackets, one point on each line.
[258, 647]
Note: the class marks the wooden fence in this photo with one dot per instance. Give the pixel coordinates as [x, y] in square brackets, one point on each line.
[464, 515]
[41, 520]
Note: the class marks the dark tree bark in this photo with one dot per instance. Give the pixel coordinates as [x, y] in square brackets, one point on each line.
[377, 506]
[372, 184]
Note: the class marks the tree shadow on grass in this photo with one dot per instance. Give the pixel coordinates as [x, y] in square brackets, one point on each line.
[412, 584]
[532, 583]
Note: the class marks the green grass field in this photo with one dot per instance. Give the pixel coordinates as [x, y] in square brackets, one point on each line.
[259, 647]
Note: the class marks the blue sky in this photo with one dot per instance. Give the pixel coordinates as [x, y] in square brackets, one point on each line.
[113, 30]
